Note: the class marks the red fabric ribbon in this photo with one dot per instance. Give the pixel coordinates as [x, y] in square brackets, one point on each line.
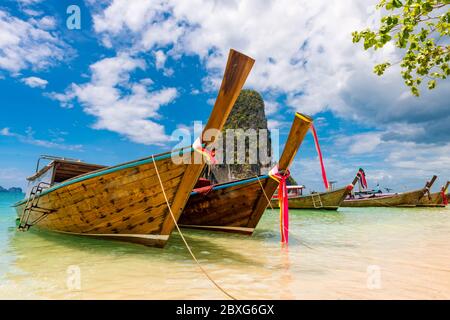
[363, 178]
[281, 178]
[319, 152]
[444, 198]
[204, 190]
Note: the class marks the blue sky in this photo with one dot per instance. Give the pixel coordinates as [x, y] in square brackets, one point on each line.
[136, 70]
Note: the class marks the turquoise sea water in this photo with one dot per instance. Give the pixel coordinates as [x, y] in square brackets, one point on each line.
[350, 254]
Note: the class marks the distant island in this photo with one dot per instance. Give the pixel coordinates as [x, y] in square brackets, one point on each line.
[11, 190]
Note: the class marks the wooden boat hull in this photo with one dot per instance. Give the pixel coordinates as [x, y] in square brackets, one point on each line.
[406, 199]
[330, 200]
[238, 206]
[226, 207]
[124, 202]
[435, 201]
[131, 201]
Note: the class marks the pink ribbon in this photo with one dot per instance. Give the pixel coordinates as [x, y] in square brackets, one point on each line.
[319, 152]
[281, 178]
[208, 155]
[444, 198]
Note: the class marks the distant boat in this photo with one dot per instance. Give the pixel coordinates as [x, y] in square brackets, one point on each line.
[237, 206]
[329, 200]
[125, 202]
[404, 199]
[435, 199]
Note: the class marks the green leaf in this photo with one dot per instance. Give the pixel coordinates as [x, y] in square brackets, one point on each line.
[431, 84]
[421, 28]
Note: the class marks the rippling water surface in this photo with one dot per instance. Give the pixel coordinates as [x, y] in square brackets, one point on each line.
[350, 254]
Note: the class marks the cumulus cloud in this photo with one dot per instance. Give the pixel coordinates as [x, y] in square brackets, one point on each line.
[35, 82]
[362, 143]
[118, 104]
[271, 107]
[29, 138]
[26, 45]
[46, 23]
[393, 164]
[304, 54]
[160, 61]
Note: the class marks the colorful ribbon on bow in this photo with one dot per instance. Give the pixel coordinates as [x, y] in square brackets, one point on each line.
[208, 155]
[444, 197]
[281, 178]
[349, 187]
[362, 178]
[319, 152]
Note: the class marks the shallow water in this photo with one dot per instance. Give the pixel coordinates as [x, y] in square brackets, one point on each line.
[367, 253]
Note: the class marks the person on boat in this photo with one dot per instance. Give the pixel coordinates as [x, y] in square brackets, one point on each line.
[378, 188]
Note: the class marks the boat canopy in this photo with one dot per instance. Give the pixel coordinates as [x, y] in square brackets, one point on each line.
[293, 191]
[59, 170]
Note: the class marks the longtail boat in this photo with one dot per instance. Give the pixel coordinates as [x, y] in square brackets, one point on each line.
[237, 206]
[128, 201]
[436, 199]
[404, 199]
[329, 200]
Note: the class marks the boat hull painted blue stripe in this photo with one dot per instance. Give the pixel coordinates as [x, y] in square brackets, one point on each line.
[235, 183]
[110, 170]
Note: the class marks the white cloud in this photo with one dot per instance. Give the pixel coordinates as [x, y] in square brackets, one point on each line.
[146, 81]
[304, 54]
[12, 177]
[5, 132]
[271, 107]
[274, 124]
[195, 92]
[35, 82]
[29, 138]
[160, 61]
[24, 45]
[402, 166]
[363, 143]
[32, 12]
[118, 104]
[46, 23]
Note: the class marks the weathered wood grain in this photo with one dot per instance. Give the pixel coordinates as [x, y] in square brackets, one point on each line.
[330, 200]
[238, 206]
[126, 202]
[404, 199]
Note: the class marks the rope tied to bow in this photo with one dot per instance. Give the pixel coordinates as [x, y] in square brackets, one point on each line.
[183, 238]
[281, 177]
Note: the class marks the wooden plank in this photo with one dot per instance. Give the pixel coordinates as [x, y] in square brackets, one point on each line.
[244, 204]
[298, 131]
[82, 205]
[330, 200]
[406, 199]
[224, 207]
[236, 72]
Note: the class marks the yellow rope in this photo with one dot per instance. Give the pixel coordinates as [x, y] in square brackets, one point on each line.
[184, 240]
[265, 194]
